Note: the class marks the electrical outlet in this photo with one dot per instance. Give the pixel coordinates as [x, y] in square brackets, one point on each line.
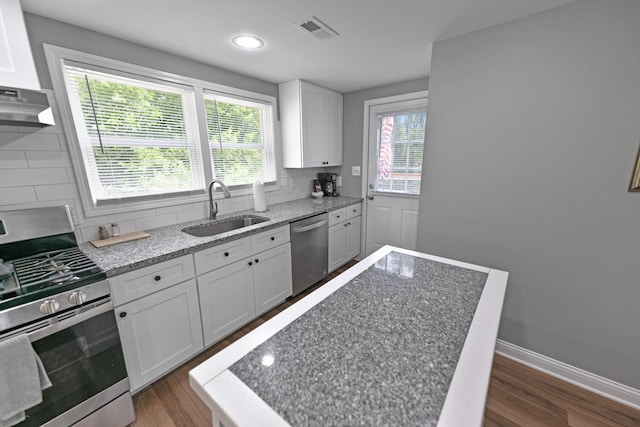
[355, 170]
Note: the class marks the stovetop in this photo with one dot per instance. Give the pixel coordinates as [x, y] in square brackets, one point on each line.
[46, 274]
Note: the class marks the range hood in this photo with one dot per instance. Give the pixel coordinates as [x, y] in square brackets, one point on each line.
[24, 107]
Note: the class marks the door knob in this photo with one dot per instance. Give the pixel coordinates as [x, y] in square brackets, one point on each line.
[370, 197]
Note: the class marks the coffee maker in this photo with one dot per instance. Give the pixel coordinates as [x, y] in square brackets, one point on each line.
[329, 184]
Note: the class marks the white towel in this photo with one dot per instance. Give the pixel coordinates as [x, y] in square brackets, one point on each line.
[22, 379]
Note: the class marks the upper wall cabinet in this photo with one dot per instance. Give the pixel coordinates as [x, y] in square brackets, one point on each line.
[17, 69]
[311, 119]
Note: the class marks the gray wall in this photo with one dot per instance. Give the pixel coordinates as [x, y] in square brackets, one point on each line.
[44, 30]
[534, 128]
[353, 120]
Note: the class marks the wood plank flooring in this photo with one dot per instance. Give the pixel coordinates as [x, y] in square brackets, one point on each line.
[518, 395]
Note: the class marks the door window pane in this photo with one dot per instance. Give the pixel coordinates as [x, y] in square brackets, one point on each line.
[399, 152]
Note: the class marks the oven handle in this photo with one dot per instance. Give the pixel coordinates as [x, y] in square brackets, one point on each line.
[85, 313]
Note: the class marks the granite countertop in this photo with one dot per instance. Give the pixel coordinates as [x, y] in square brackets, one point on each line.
[170, 242]
[379, 351]
[401, 338]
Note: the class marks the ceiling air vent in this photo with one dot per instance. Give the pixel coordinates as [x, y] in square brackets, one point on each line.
[316, 28]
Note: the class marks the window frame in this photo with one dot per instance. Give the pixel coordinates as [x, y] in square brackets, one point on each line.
[57, 56]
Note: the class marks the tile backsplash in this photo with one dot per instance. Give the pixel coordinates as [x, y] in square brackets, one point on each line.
[36, 171]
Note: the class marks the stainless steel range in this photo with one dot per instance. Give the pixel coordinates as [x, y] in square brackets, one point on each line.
[56, 295]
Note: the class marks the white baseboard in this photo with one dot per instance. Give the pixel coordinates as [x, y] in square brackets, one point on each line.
[604, 387]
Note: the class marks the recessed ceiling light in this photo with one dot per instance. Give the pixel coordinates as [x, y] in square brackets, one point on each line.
[248, 42]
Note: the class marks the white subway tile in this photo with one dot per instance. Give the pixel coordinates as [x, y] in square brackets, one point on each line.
[13, 160]
[127, 227]
[94, 221]
[16, 195]
[244, 204]
[44, 159]
[29, 141]
[71, 176]
[156, 221]
[57, 192]
[90, 233]
[55, 129]
[11, 129]
[38, 204]
[174, 208]
[192, 215]
[132, 215]
[34, 176]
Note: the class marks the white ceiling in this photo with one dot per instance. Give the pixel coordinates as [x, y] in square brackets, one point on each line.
[380, 41]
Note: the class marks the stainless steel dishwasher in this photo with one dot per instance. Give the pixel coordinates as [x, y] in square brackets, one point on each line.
[309, 251]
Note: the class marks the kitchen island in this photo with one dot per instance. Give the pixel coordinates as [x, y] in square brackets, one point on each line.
[401, 338]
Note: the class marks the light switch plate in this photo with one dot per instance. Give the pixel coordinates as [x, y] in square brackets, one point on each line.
[355, 170]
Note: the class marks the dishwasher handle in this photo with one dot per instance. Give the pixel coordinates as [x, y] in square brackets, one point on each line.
[308, 227]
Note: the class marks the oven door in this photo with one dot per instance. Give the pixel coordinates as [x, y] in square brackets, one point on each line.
[82, 355]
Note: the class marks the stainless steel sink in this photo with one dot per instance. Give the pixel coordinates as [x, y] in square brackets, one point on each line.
[223, 225]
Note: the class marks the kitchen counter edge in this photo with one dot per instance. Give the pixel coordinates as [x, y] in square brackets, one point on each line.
[170, 242]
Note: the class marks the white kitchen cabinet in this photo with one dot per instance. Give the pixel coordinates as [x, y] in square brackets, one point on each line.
[311, 118]
[226, 299]
[352, 248]
[232, 296]
[17, 68]
[221, 255]
[272, 277]
[337, 245]
[344, 235]
[147, 280]
[159, 332]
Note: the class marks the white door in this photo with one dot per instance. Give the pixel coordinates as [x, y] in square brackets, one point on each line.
[393, 150]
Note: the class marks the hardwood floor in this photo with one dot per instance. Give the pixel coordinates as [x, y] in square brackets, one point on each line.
[521, 396]
[518, 395]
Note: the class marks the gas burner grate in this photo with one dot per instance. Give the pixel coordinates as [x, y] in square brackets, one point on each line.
[56, 267]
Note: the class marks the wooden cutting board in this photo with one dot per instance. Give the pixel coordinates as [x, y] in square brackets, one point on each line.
[120, 239]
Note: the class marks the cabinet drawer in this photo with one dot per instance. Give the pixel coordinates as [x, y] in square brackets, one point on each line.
[337, 216]
[354, 210]
[221, 255]
[147, 280]
[270, 239]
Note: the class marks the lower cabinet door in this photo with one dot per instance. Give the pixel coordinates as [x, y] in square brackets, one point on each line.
[353, 238]
[337, 245]
[226, 299]
[272, 277]
[159, 332]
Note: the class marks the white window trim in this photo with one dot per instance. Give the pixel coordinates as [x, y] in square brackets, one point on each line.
[387, 104]
[56, 55]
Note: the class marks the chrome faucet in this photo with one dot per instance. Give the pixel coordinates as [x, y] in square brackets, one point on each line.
[213, 207]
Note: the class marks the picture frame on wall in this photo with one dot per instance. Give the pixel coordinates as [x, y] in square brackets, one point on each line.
[635, 179]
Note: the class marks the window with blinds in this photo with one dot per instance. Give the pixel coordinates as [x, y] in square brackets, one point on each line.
[399, 152]
[138, 137]
[241, 139]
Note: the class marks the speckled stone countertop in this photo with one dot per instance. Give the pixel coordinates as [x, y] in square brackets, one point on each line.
[381, 350]
[171, 242]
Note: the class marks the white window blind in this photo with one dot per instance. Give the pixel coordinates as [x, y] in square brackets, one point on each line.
[241, 139]
[138, 136]
[399, 152]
